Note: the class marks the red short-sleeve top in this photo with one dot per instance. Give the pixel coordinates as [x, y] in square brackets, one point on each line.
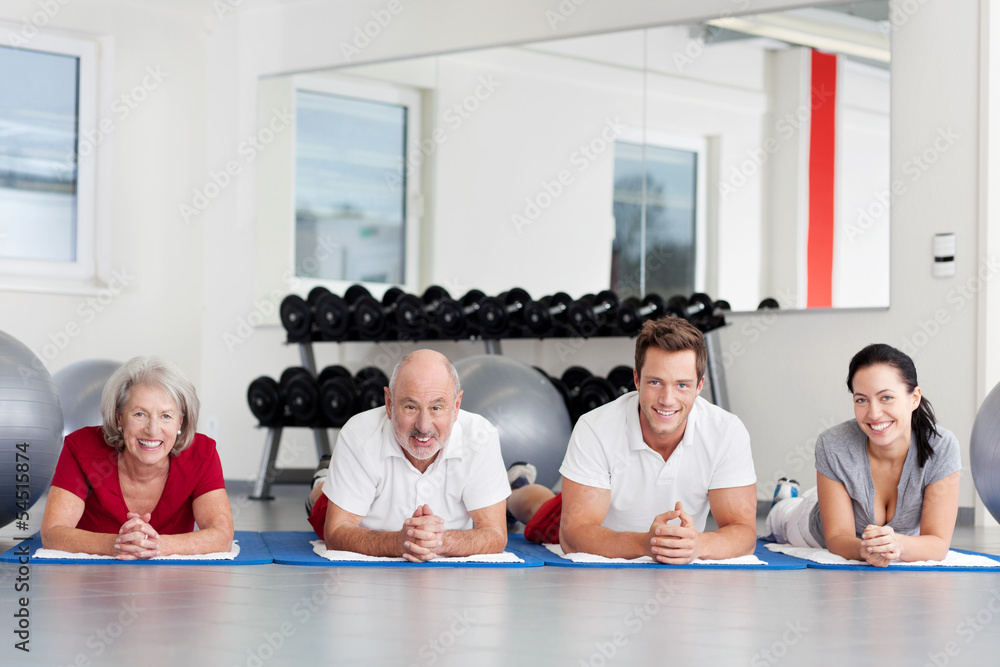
[88, 468]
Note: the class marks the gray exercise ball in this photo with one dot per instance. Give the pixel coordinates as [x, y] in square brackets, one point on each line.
[526, 409]
[984, 452]
[30, 428]
[80, 386]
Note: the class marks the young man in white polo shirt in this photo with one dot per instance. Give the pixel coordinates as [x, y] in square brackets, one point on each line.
[421, 452]
[642, 472]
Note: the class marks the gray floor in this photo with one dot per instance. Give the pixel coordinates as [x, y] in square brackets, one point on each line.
[280, 615]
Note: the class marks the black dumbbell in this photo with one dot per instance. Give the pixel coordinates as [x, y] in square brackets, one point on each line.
[542, 318]
[588, 316]
[769, 304]
[632, 312]
[499, 316]
[330, 314]
[300, 393]
[445, 314]
[594, 392]
[338, 395]
[374, 320]
[622, 379]
[264, 397]
[296, 317]
[699, 310]
[371, 383]
[461, 316]
[573, 378]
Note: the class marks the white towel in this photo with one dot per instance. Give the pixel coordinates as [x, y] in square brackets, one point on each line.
[219, 555]
[331, 554]
[953, 559]
[593, 558]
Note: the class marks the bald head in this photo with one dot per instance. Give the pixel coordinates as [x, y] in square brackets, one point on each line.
[425, 364]
[422, 402]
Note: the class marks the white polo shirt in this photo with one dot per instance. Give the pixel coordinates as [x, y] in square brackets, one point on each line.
[607, 451]
[370, 477]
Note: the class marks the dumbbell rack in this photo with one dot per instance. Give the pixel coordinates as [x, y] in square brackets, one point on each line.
[269, 470]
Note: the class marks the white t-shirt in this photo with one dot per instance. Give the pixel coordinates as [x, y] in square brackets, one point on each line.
[370, 477]
[607, 451]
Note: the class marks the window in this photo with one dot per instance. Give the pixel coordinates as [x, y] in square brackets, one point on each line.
[46, 187]
[350, 186]
[658, 210]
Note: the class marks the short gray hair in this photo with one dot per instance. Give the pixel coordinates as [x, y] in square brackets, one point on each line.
[149, 372]
[405, 360]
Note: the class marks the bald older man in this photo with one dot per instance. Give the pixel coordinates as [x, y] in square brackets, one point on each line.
[418, 479]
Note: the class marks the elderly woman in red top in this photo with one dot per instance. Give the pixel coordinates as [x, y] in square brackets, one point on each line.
[135, 487]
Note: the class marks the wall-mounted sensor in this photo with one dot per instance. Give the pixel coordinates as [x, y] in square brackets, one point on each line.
[944, 255]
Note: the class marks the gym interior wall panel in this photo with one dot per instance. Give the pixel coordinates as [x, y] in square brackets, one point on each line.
[149, 143]
[863, 191]
[785, 168]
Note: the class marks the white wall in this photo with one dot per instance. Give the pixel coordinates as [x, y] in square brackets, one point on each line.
[145, 161]
[194, 282]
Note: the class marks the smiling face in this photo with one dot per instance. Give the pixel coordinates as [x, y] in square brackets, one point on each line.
[668, 383]
[149, 424]
[883, 405]
[423, 408]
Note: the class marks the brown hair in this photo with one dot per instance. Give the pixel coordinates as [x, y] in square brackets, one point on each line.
[671, 334]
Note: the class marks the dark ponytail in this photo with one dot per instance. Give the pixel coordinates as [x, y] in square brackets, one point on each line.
[922, 422]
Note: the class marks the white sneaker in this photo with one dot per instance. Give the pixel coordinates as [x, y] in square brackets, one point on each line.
[785, 489]
[518, 471]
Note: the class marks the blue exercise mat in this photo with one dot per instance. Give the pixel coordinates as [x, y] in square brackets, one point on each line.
[908, 568]
[772, 560]
[294, 548]
[253, 551]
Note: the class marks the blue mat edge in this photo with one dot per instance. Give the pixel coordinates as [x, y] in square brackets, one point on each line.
[253, 551]
[776, 561]
[278, 541]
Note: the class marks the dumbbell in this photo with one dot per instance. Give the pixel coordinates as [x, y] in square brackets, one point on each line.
[542, 317]
[266, 404]
[572, 378]
[330, 314]
[594, 392]
[498, 316]
[769, 304]
[338, 395]
[300, 392]
[622, 379]
[469, 307]
[586, 391]
[588, 315]
[632, 312]
[373, 319]
[296, 317]
[445, 313]
[371, 383]
[700, 310]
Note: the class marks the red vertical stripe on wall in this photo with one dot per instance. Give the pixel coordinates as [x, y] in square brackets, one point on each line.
[822, 159]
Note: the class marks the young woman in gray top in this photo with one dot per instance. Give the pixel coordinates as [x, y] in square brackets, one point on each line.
[886, 481]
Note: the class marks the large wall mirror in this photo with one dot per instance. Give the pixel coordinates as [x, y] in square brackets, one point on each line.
[746, 157]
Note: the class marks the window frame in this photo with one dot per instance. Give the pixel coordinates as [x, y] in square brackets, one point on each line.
[276, 226]
[83, 269]
[699, 146]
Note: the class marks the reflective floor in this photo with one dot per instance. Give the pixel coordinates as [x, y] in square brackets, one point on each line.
[281, 615]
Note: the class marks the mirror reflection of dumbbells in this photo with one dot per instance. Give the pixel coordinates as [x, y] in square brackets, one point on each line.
[357, 315]
[700, 310]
